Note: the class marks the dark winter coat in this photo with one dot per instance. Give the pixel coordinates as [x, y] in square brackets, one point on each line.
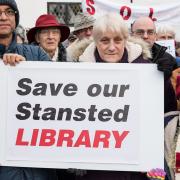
[31, 53]
[170, 103]
[62, 55]
[133, 53]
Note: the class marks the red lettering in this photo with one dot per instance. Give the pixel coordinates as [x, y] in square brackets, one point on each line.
[101, 136]
[151, 13]
[47, 137]
[122, 12]
[119, 137]
[19, 141]
[83, 139]
[91, 10]
[65, 135]
[34, 137]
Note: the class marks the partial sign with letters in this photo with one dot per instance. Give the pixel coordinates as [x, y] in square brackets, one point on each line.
[86, 115]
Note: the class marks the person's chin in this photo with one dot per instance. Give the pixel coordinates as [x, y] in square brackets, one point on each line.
[111, 60]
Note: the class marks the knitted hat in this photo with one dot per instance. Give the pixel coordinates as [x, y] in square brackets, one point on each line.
[82, 21]
[13, 5]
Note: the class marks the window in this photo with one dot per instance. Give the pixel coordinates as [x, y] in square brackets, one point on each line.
[65, 12]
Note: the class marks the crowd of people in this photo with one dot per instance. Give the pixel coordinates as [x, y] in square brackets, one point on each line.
[106, 39]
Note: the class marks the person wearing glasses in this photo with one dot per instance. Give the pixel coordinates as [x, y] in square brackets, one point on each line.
[48, 33]
[83, 27]
[144, 28]
[11, 53]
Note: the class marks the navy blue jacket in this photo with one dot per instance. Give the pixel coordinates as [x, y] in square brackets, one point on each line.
[30, 52]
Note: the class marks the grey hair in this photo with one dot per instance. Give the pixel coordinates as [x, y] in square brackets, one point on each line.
[112, 22]
[164, 29]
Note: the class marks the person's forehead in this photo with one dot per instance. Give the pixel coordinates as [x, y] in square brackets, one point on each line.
[144, 24]
[166, 34]
[3, 7]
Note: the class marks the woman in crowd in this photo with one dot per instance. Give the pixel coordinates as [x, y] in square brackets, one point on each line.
[112, 45]
[48, 33]
[165, 32]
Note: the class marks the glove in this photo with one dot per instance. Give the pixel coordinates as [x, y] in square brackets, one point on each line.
[156, 174]
[166, 65]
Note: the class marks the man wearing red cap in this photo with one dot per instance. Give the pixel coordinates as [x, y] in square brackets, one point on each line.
[48, 33]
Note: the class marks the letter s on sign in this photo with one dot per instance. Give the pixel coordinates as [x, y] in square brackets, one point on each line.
[90, 9]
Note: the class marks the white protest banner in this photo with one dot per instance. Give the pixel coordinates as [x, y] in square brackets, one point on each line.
[170, 44]
[160, 11]
[82, 115]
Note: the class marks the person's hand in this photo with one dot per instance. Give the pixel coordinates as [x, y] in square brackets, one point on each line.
[155, 174]
[166, 65]
[12, 59]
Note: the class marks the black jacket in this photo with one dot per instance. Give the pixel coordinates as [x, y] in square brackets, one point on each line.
[170, 103]
[31, 53]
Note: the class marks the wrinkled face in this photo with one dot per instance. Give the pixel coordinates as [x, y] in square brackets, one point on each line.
[110, 47]
[7, 21]
[49, 38]
[145, 29]
[165, 36]
[84, 33]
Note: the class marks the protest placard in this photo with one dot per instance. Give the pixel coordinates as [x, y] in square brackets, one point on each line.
[82, 115]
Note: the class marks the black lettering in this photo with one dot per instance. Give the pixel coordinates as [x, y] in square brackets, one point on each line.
[105, 115]
[80, 116]
[55, 91]
[26, 88]
[40, 90]
[70, 89]
[23, 108]
[50, 114]
[113, 90]
[95, 92]
[123, 89]
[62, 111]
[91, 111]
[123, 113]
[37, 108]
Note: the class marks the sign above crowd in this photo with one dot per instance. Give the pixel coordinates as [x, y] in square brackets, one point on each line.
[81, 115]
[159, 11]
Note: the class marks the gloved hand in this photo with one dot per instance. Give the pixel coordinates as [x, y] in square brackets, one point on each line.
[156, 174]
[166, 65]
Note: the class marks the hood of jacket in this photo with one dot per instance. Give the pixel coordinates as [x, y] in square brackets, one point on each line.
[135, 47]
[77, 48]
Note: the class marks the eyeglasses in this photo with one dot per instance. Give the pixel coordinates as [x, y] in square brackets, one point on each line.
[48, 31]
[8, 12]
[141, 32]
